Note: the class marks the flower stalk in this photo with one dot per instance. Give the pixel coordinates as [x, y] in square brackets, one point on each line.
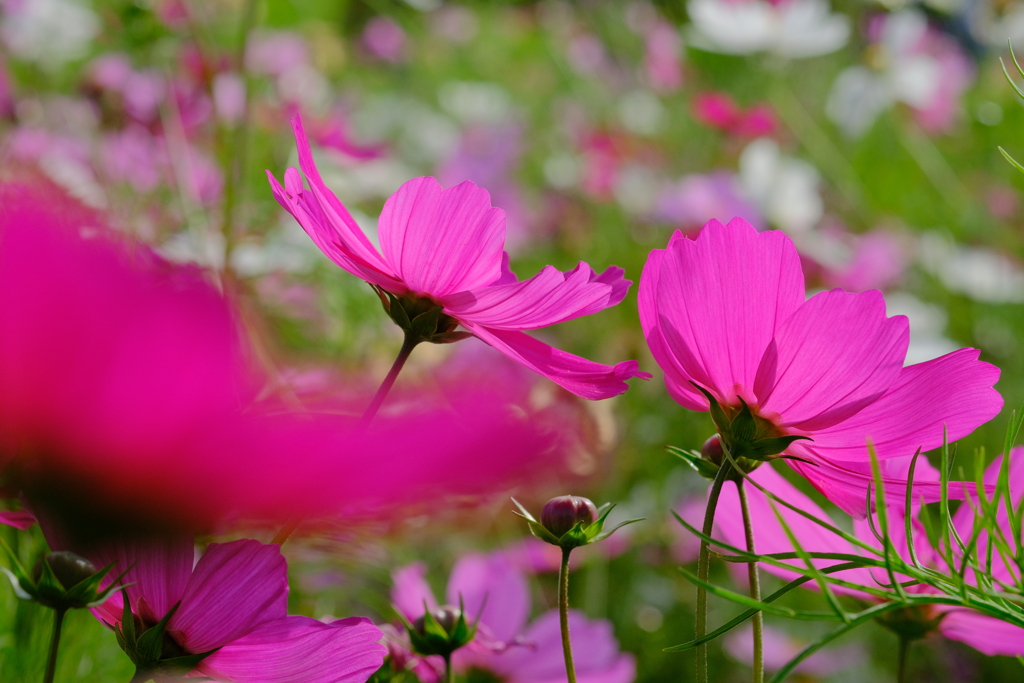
[563, 614]
[703, 570]
[408, 344]
[754, 578]
[51, 658]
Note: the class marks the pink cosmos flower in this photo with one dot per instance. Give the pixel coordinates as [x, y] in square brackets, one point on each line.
[505, 645]
[719, 110]
[126, 383]
[384, 39]
[234, 601]
[448, 246]
[986, 634]
[727, 312]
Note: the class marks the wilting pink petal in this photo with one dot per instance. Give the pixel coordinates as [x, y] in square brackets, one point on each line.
[19, 519]
[300, 650]
[835, 355]
[540, 660]
[233, 588]
[411, 591]
[447, 246]
[709, 307]
[489, 586]
[442, 241]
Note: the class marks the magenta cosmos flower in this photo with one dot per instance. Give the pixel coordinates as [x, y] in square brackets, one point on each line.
[506, 645]
[447, 246]
[727, 312]
[233, 603]
[984, 633]
[128, 389]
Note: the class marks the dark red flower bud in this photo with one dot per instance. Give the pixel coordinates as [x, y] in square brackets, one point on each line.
[563, 513]
[70, 569]
[712, 450]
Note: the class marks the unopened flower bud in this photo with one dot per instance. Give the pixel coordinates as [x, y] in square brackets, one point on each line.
[712, 450]
[564, 512]
[446, 615]
[70, 569]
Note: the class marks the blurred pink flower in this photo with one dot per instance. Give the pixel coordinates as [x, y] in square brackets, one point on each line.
[384, 38]
[984, 633]
[447, 245]
[878, 261]
[133, 155]
[229, 96]
[234, 601]
[780, 647]
[695, 199]
[663, 56]
[505, 645]
[126, 385]
[489, 156]
[274, 53]
[719, 110]
[332, 132]
[6, 93]
[727, 312]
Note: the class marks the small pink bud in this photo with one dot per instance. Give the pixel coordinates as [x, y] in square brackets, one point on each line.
[563, 513]
[712, 450]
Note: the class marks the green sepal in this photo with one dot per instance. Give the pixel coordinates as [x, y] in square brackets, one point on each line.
[746, 436]
[126, 634]
[763, 449]
[424, 325]
[449, 337]
[86, 588]
[718, 416]
[179, 666]
[150, 645]
[536, 528]
[48, 587]
[695, 460]
[580, 534]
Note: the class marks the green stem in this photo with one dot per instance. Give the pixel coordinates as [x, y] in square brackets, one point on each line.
[901, 670]
[449, 673]
[51, 659]
[563, 614]
[238, 142]
[403, 355]
[703, 570]
[755, 586]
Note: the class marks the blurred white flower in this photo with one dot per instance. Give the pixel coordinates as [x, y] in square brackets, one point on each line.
[641, 112]
[979, 273]
[787, 28]
[784, 189]
[475, 102]
[927, 327]
[48, 32]
[908, 62]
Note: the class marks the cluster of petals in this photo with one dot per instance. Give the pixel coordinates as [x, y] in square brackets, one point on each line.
[495, 593]
[447, 245]
[984, 633]
[127, 384]
[234, 601]
[727, 311]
